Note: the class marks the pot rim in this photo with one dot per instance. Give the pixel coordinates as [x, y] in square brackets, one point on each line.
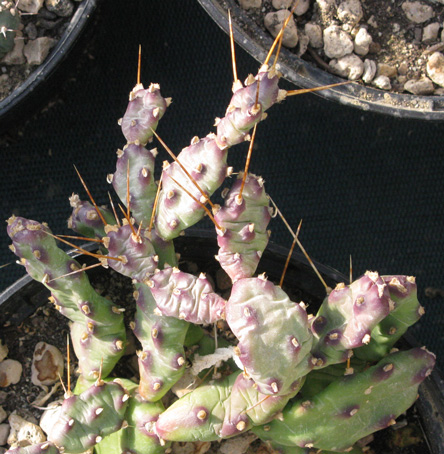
[305, 75]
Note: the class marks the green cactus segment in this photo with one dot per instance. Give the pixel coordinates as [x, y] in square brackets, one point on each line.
[407, 311]
[146, 107]
[98, 329]
[244, 221]
[353, 407]
[162, 359]
[187, 297]
[87, 418]
[274, 335]
[142, 187]
[281, 449]
[86, 221]
[134, 255]
[207, 165]
[219, 409]
[41, 448]
[347, 317]
[243, 112]
[9, 24]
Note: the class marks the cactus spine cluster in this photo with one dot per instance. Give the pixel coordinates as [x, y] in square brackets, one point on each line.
[295, 387]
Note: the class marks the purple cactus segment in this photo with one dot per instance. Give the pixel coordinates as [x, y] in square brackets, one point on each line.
[45, 447]
[142, 187]
[134, 251]
[347, 317]
[244, 222]
[85, 419]
[176, 209]
[274, 334]
[187, 297]
[145, 108]
[162, 359]
[354, 406]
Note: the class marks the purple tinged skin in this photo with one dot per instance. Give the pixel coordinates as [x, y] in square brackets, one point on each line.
[45, 447]
[273, 332]
[186, 297]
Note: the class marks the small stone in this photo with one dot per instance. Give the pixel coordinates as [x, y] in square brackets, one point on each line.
[439, 91]
[3, 415]
[3, 351]
[38, 49]
[349, 66]
[325, 6]
[23, 432]
[4, 434]
[281, 4]
[50, 416]
[403, 68]
[30, 6]
[304, 41]
[238, 445]
[423, 86]
[369, 71]
[10, 372]
[430, 32]
[301, 5]
[382, 82]
[250, 4]
[47, 364]
[15, 55]
[435, 68]
[30, 31]
[362, 42]
[314, 33]
[337, 43]
[386, 70]
[372, 21]
[63, 8]
[350, 11]
[417, 12]
[273, 23]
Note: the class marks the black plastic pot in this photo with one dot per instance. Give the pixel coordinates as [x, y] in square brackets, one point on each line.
[41, 83]
[303, 74]
[26, 295]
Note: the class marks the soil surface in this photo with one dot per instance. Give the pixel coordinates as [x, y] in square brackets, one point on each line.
[400, 47]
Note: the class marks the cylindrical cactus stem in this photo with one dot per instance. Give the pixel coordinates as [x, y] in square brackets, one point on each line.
[354, 406]
[9, 24]
[162, 359]
[85, 220]
[220, 409]
[139, 162]
[206, 163]
[45, 447]
[97, 322]
[347, 317]
[274, 334]
[407, 311]
[247, 106]
[85, 419]
[185, 296]
[244, 219]
[146, 107]
[135, 255]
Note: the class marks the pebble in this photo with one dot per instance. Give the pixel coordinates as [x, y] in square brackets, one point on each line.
[350, 11]
[430, 32]
[4, 434]
[10, 372]
[403, 68]
[3, 351]
[362, 42]
[423, 86]
[23, 432]
[47, 364]
[238, 445]
[30, 31]
[15, 55]
[417, 12]
[45, 14]
[382, 82]
[386, 70]
[337, 43]
[349, 66]
[301, 6]
[62, 8]
[304, 41]
[273, 23]
[435, 68]
[314, 33]
[250, 4]
[51, 415]
[3, 415]
[30, 6]
[369, 71]
[37, 50]
[326, 5]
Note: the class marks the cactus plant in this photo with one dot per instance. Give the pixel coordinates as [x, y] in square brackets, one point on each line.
[290, 386]
[9, 22]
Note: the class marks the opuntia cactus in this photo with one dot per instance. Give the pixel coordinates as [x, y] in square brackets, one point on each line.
[9, 23]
